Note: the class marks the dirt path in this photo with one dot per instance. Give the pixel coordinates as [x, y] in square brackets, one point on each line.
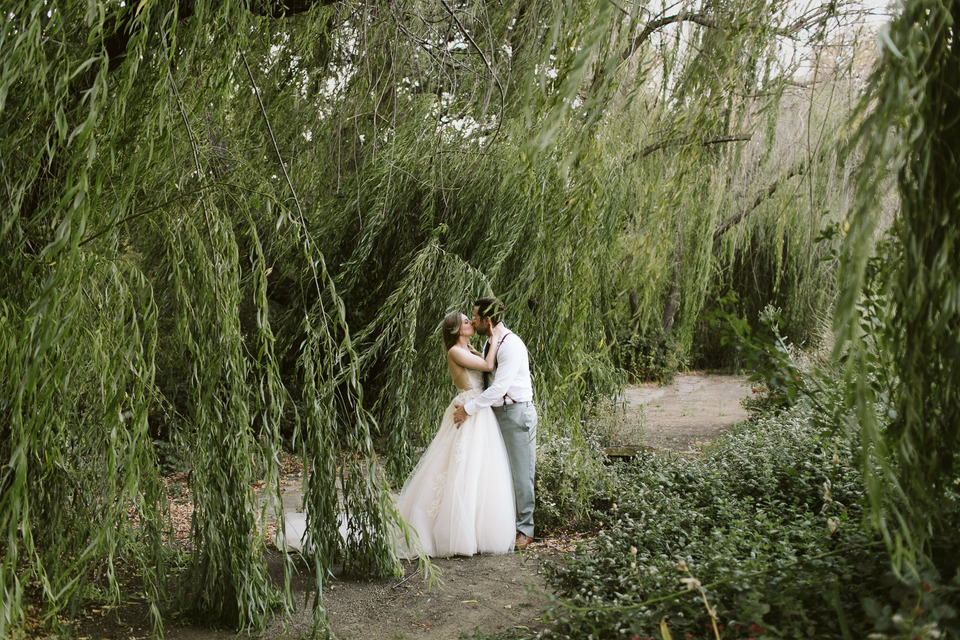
[695, 407]
[492, 593]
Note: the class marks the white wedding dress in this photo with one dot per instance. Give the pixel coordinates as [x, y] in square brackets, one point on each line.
[459, 499]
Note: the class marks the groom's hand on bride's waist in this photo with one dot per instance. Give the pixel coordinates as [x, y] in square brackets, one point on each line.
[459, 414]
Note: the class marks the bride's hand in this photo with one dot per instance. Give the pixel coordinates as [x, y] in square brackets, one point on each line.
[497, 332]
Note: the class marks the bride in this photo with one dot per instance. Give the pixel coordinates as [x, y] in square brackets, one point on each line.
[459, 498]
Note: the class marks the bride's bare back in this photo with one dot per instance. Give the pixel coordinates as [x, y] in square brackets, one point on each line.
[460, 373]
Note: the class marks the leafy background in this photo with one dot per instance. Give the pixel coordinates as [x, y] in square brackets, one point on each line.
[231, 229]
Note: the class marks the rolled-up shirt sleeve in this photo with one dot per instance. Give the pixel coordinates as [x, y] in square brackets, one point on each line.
[508, 365]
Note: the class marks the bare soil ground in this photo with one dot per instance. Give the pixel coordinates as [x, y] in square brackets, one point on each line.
[689, 412]
[489, 593]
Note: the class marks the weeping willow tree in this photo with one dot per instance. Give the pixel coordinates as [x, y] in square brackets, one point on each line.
[898, 313]
[235, 227]
[135, 283]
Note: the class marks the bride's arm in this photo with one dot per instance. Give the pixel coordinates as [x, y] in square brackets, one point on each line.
[466, 359]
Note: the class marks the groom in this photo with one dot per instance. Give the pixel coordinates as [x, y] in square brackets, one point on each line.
[511, 396]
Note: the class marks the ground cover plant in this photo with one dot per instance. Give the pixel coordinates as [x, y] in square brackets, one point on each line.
[765, 535]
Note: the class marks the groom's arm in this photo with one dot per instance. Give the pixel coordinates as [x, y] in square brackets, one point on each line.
[508, 366]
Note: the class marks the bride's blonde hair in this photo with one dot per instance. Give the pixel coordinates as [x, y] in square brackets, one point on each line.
[451, 329]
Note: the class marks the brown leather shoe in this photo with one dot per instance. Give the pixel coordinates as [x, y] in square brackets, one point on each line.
[522, 541]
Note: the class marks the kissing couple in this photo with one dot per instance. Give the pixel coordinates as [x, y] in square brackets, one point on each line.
[473, 489]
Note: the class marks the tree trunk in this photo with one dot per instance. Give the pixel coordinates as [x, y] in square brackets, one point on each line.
[673, 298]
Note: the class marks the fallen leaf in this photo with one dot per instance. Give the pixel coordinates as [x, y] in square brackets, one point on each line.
[665, 629]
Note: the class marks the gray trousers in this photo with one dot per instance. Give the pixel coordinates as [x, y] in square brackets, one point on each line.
[518, 425]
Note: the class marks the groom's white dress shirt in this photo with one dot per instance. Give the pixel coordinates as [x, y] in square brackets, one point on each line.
[511, 378]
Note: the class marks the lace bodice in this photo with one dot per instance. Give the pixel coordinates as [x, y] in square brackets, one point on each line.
[476, 386]
[476, 380]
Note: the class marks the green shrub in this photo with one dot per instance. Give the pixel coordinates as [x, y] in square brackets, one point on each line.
[652, 356]
[569, 478]
[769, 529]
[776, 364]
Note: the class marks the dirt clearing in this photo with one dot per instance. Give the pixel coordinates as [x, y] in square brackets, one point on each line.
[489, 593]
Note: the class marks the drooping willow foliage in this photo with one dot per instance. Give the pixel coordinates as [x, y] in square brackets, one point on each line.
[133, 244]
[901, 340]
[234, 227]
[729, 192]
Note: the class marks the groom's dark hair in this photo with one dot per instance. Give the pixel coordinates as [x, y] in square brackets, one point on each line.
[490, 308]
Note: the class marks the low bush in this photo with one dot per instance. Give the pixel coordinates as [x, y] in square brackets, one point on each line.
[570, 476]
[763, 536]
[651, 356]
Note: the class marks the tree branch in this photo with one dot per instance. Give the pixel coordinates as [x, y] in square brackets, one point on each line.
[286, 175]
[739, 137]
[733, 220]
[125, 24]
[486, 62]
[164, 205]
[659, 23]
[812, 17]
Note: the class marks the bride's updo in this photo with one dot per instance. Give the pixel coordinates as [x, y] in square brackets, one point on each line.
[451, 329]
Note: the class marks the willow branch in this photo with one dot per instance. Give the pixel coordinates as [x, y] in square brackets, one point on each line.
[766, 193]
[193, 147]
[660, 23]
[164, 205]
[486, 62]
[813, 17]
[739, 137]
[283, 167]
[619, 8]
[799, 168]
[125, 24]
[196, 161]
[138, 214]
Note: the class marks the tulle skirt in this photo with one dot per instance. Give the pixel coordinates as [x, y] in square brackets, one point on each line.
[457, 502]
[459, 498]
